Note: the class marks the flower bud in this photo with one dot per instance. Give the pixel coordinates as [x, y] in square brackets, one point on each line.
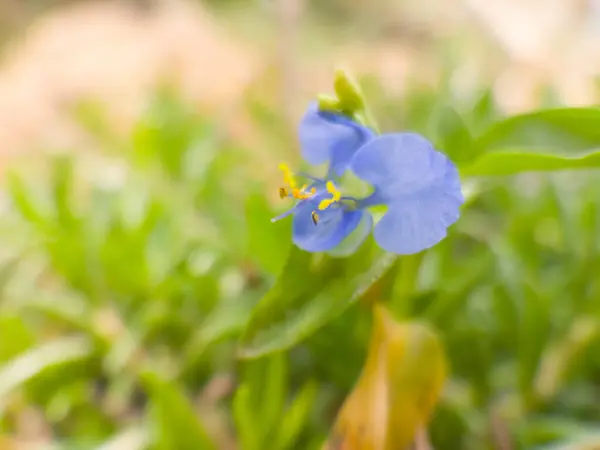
[348, 93]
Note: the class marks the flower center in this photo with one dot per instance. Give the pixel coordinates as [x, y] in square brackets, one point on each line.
[292, 190]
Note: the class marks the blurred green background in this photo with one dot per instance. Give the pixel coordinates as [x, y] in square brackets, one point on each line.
[140, 142]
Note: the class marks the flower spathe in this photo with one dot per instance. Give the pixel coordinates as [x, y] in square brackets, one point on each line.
[419, 186]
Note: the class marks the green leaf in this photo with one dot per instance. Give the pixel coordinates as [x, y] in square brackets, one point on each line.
[268, 242]
[484, 111]
[167, 131]
[296, 416]
[227, 319]
[244, 419]
[562, 354]
[62, 175]
[69, 311]
[274, 391]
[25, 200]
[176, 423]
[259, 405]
[95, 120]
[510, 163]
[451, 134]
[565, 129]
[546, 140]
[15, 337]
[64, 351]
[533, 332]
[545, 430]
[8, 270]
[312, 290]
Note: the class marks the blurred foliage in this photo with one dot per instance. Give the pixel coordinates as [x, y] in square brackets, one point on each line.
[147, 301]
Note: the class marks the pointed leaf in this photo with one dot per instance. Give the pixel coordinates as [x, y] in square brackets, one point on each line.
[452, 136]
[268, 243]
[564, 129]
[62, 184]
[245, 419]
[15, 337]
[296, 416]
[176, 423]
[17, 371]
[312, 290]
[513, 162]
[484, 111]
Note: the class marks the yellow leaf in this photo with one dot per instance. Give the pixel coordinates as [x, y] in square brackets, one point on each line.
[397, 390]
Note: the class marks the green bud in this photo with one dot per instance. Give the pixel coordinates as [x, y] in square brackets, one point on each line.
[328, 103]
[348, 92]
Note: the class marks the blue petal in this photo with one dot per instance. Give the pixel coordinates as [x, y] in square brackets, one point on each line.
[417, 224]
[420, 186]
[330, 137]
[355, 239]
[334, 225]
[401, 164]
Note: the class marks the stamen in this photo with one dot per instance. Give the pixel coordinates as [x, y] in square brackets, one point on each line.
[302, 193]
[315, 217]
[288, 176]
[336, 195]
[284, 215]
[290, 180]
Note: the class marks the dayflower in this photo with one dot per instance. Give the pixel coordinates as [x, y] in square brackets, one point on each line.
[331, 137]
[419, 186]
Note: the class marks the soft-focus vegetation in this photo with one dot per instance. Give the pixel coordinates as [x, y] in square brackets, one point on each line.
[147, 301]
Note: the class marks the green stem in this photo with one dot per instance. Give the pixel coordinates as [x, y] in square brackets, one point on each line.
[406, 284]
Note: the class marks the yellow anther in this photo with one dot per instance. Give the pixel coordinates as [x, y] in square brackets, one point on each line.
[333, 191]
[302, 193]
[335, 196]
[290, 181]
[315, 217]
[325, 203]
[288, 176]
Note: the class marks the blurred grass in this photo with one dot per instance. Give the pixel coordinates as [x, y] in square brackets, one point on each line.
[128, 277]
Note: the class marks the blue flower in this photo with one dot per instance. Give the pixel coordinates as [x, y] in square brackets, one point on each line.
[419, 186]
[330, 137]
